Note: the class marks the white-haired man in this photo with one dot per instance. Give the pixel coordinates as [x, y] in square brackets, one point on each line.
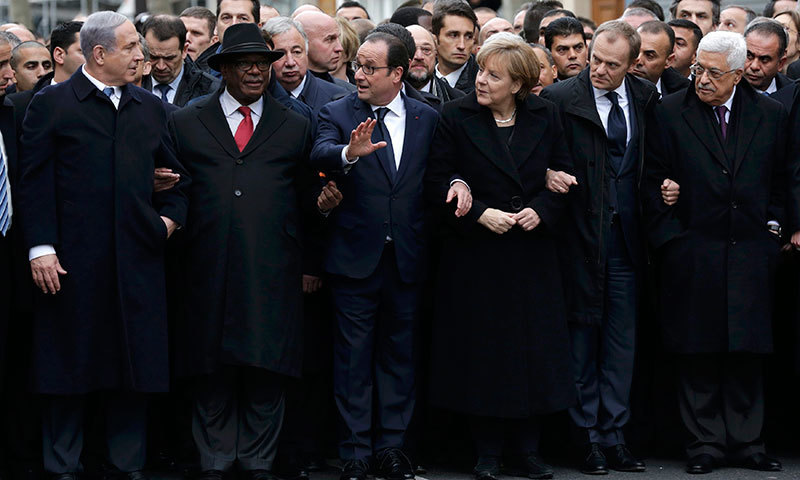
[725, 145]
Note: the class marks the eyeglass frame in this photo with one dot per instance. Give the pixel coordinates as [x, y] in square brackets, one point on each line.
[715, 75]
[241, 64]
[368, 70]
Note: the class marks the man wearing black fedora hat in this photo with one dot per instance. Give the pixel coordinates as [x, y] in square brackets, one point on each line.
[238, 336]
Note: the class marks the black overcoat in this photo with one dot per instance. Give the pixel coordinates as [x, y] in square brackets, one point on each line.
[241, 271]
[582, 244]
[86, 187]
[500, 342]
[716, 255]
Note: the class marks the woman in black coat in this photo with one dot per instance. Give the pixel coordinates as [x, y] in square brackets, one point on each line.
[500, 343]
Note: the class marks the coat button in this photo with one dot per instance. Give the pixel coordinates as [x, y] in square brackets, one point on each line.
[733, 205]
[239, 161]
[724, 171]
[733, 241]
[237, 192]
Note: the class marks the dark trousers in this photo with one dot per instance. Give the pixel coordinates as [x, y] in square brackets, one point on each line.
[602, 357]
[238, 413]
[721, 400]
[519, 435]
[374, 358]
[63, 419]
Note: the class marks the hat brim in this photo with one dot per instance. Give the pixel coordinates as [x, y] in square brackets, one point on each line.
[216, 60]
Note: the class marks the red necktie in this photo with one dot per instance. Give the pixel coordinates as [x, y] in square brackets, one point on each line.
[245, 129]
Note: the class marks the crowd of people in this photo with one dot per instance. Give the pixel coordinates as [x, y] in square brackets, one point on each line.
[243, 228]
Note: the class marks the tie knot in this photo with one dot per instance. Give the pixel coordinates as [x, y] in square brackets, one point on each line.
[244, 111]
[380, 114]
[108, 91]
[163, 88]
[721, 111]
[613, 97]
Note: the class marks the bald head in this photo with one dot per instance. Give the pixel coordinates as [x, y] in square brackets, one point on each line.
[493, 26]
[305, 8]
[324, 46]
[21, 32]
[420, 33]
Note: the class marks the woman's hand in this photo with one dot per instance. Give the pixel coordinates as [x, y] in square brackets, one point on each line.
[497, 221]
[528, 219]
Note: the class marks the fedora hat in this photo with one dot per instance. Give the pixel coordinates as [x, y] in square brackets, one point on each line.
[242, 39]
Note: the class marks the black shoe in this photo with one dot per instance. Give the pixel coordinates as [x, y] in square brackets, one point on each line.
[420, 470]
[759, 461]
[291, 468]
[394, 465]
[64, 476]
[621, 459]
[701, 464]
[210, 475]
[531, 466]
[595, 461]
[488, 468]
[259, 474]
[137, 475]
[354, 470]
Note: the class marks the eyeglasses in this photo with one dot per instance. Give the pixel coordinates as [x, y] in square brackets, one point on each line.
[698, 70]
[368, 69]
[244, 65]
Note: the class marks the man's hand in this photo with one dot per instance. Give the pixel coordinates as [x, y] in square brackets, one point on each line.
[171, 226]
[460, 191]
[45, 271]
[164, 179]
[329, 198]
[559, 182]
[361, 140]
[670, 191]
[528, 219]
[311, 283]
[497, 221]
[795, 240]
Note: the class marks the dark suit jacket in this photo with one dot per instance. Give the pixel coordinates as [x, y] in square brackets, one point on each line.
[195, 83]
[243, 233]
[318, 93]
[672, 81]
[374, 206]
[583, 236]
[717, 256]
[202, 60]
[86, 187]
[22, 99]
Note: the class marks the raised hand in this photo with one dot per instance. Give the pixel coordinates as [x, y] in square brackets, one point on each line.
[361, 140]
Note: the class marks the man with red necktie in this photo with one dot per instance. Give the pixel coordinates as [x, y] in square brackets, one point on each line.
[238, 333]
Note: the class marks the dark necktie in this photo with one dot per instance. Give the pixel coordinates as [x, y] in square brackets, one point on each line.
[383, 134]
[617, 130]
[723, 124]
[245, 129]
[163, 89]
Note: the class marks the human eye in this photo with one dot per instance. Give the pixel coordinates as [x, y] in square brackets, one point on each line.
[579, 47]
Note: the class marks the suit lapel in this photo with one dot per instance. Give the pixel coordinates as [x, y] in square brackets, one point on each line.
[701, 125]
[412, 130]
[309, 93]
[213, 118]
[479, 126]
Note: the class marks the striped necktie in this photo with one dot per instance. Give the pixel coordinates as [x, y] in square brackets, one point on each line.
[5, 200]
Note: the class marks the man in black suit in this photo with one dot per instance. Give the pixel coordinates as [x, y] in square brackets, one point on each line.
[603, 110]
[766, 55]
[454, 24]
[656, 53]
[324, 46]
[422, 68]
[173, 76]
[291, 70]
[716, 247]
[96, 234]
[376, 140]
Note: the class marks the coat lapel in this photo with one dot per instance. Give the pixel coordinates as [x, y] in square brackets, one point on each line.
[702, 126]
[479, 126]
[273, 115]
[411, 134]
[748, 117]
[213, 118]
[527, 119]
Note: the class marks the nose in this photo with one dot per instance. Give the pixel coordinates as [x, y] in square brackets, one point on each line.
[418, 55]
[40, 71]
[290, 62]
[572, 54]
[338, 47]
[462, 44]
[359, 74]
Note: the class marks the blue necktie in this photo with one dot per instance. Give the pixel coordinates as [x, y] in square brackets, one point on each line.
[163, 88]
[383, 134]
[5, 214]
[617, 130]
[108, 91]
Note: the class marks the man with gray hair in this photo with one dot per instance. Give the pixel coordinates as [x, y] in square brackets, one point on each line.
[96, 234]
[291, 70]
[7, 43]
[716, 245]
[766, 55]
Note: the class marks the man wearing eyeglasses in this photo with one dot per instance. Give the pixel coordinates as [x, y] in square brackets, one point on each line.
[716, 246]
[376, 140]
[239, 333]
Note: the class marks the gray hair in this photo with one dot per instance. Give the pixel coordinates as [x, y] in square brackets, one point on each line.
[278, 25]
[8, 38]
[638, 12]
[144, 47]
[99, 29]
[730, 43]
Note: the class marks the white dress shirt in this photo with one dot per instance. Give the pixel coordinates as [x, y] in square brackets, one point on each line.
[452, 77]
[773, 86]
[297, 91]
[427, 87]
[173, 87]
[603, 105]
[729, 104]
[658, 86]
[395, 121]
[42, 250]
[234, 117]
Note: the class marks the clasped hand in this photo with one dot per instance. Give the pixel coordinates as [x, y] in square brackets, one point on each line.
[500, 222]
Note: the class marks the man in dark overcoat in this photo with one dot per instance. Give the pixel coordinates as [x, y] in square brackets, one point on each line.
[240, 334]
[602, 247]
[724, 144]
[96, 234]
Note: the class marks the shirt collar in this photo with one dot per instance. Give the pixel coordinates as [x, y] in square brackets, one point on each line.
[297, 91]
[729, 103]
[658, 86]
[773, 85]
[622, 92]
[454, 75]
[100, 85]
[230, 104]
[396, 106]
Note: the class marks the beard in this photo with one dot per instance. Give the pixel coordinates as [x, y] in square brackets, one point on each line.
[419, 79]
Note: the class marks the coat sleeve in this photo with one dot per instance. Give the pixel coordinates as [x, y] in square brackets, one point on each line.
[174, 202]
[660, 220]
[550, 205]
[36, 195]
[326, 155]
